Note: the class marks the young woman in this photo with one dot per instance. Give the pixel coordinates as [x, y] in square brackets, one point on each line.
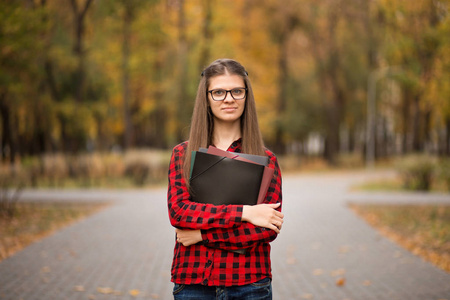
[205, 263]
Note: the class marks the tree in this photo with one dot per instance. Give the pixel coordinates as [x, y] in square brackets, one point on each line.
[79, 19]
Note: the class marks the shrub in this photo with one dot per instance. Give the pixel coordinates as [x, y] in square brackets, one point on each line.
[443, 172]
[350, 160]
[138, 171]
[417, 171]
[12, 181]
[33, 167]
[143, 166]
[87, 167]
[54, 168]
[114, 165]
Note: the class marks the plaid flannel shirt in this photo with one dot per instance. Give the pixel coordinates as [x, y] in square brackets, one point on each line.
[210, 262]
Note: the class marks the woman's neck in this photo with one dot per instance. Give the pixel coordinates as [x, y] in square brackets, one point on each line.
[225, 134]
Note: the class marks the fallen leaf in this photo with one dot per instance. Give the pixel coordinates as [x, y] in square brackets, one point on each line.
[307, 296]
[340, 281]
[105, 290]
[91, 297]
[46, 270]
[155, 296]
[367, 283]
[318, 272]
[79, 288]
[344, 249]
[134, 293]
[291, 261]
[290, 255]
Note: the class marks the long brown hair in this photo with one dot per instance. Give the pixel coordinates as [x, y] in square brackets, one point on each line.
[202, 122]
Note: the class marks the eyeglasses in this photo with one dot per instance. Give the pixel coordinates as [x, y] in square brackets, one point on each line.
[221, 94]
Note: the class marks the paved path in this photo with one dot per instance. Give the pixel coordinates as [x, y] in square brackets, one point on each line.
[128, 247]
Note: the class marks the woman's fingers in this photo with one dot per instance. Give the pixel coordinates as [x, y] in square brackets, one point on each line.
[276, 219]
[264, 215]
[274, 205]
[275, 228]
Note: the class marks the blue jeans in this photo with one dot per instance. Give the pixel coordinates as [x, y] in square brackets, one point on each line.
[261, 290]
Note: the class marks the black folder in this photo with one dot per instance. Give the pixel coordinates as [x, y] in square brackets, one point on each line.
[259, 159]
[221, 180]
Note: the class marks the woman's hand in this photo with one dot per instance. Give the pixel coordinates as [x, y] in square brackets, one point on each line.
[188, 237]
[264, 215]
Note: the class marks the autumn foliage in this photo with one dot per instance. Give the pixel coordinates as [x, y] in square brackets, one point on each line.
[83, 75]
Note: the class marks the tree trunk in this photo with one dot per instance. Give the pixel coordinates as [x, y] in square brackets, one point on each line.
[333, 113]
[127, 19]
[416, 126]
[160, 116]
[447, 138]
[78, 49]
[335, 107]
[280, 144]
[8, 145]
[405, 122]
[182, 111]
[205, 52]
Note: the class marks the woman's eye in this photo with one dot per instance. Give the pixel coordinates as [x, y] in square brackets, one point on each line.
[237, 92]
[219, 92]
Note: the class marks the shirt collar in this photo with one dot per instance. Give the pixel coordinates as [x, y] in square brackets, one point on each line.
[236, 146]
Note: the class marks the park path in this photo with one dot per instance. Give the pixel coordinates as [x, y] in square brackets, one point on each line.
[125, 251]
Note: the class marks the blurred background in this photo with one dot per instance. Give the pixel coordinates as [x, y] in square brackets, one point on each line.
[104, 89]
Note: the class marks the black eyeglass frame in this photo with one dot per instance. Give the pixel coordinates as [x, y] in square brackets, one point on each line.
[229, 91]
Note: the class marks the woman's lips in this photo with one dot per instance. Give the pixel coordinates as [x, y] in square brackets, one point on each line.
[229, 108]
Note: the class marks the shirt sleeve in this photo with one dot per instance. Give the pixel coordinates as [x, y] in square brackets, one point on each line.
[186, 214]
[247, 234]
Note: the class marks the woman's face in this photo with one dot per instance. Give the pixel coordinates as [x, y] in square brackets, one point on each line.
[228, 110]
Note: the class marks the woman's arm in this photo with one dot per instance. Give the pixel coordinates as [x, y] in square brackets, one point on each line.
[186, 214]
[246, 235]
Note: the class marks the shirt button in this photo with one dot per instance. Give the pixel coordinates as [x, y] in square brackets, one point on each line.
[208, 263]
[205, 282]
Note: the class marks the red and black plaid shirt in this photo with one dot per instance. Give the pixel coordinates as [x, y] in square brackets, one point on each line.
[210, 263]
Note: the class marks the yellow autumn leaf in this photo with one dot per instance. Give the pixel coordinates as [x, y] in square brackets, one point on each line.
[79, 288]
[134, 293]
[105, 290]
[340, 281]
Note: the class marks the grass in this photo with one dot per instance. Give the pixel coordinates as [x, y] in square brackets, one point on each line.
[107, 183]
[422, 229]
[390, 185]
[396, 185]
[33, 221]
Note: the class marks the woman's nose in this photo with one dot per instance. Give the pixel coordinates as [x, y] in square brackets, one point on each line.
[228, 97]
